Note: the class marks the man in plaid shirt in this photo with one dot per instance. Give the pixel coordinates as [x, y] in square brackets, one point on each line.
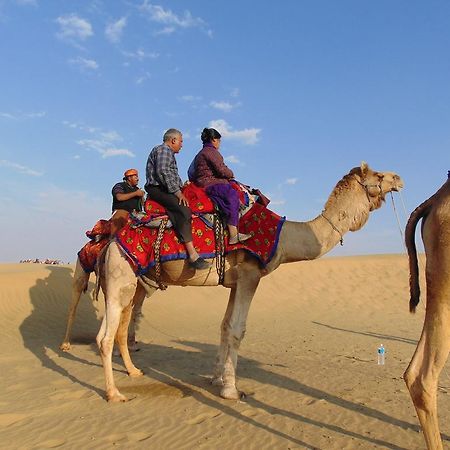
[164, 186]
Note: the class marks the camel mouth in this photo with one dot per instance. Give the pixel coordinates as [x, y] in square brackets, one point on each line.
[398, 185]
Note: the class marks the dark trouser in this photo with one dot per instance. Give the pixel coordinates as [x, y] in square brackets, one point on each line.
[179, 215]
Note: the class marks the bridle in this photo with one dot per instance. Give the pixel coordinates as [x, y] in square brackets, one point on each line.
[369, 186]
[366, 187]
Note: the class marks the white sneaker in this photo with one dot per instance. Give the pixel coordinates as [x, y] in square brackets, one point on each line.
[240, 237]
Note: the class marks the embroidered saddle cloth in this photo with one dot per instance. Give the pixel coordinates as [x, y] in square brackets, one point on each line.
[137, 240]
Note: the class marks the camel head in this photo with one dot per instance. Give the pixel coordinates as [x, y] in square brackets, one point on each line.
[376, 184]
[360, 191]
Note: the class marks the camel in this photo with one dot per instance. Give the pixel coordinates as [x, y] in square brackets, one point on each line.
[359, 192]
[422, 374]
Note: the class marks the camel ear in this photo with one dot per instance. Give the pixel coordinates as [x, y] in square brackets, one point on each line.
[364, 168]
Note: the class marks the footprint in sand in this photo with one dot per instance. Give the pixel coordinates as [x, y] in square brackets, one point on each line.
[116, 438]
[139, 436]
[51, 443]
[253, 412]
[10, 419]
[201, 418]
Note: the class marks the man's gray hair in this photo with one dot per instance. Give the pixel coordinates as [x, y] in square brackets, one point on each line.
[171, 133]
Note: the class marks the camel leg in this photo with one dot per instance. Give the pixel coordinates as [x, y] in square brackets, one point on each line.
[79, 285]
[217, 379]
[245, 289]
[422, 374]
[122, 341]
[120, 290]
[135, 316]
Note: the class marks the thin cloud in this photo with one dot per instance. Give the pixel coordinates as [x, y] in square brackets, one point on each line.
[106, 144]
[291, 181]
[73, 27]
[84, 63]
[232, 159]
[140, 54]
[8, 116]
[278, 202]
[20, 168]
[143, 78]
[248, 136]
[224, 106]
[190, 98]
[165, 31]
[21, 116]
[110, 152]
[114, 30]
[172, 21]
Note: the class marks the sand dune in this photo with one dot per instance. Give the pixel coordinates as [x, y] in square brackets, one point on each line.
[307, 363]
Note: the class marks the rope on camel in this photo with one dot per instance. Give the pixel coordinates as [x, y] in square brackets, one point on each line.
[157, 248]
[219, 236]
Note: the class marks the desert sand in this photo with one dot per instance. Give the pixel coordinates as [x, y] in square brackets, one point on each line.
[307, 363]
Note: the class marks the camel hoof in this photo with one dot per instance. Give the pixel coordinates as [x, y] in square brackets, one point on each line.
[116, 398]
[230, 393]
[135, 373]
[65, 346]
[217, 381]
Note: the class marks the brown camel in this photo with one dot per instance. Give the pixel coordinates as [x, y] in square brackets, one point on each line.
[422, 374]
[361, 191]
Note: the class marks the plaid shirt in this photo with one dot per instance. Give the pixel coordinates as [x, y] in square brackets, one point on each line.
[162, 169]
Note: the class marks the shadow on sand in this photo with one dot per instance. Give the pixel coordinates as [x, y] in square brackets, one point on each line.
[44, 328]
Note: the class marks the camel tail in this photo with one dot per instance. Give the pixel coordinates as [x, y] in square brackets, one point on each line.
[419, 213]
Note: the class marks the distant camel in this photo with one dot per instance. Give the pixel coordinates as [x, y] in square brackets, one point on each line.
[422, 374]
[361, 191]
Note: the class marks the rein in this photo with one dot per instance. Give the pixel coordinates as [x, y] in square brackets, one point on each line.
[341, 240]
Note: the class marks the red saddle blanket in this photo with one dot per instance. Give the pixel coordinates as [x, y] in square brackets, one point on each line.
[99, 237]
[138, 241]
[199, 202]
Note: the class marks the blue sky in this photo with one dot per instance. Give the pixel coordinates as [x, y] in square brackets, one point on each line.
[302, 91]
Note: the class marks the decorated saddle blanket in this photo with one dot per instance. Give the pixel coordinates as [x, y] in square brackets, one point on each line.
[138, 241]
[99, 237]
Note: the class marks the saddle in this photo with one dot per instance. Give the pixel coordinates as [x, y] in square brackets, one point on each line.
[199, 203]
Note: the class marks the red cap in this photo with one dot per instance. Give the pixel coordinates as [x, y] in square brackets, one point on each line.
[130, 172]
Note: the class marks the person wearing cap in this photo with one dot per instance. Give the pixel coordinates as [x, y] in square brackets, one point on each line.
[127, 197]
[164, 186]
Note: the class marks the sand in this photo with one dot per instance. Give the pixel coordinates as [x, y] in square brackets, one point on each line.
[307, 363]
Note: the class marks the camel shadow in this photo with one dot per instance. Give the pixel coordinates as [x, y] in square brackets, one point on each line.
[44, 328]
[173, 367]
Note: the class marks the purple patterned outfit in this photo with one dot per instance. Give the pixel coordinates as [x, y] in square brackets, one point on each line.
[209, 170]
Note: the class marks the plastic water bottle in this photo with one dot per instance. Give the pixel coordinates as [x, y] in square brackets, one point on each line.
[380, 354]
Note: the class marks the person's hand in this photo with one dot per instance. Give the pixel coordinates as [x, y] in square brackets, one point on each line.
[182, 200]
[140, 193]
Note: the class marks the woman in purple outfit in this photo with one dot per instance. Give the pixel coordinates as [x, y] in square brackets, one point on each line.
[208, 170]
